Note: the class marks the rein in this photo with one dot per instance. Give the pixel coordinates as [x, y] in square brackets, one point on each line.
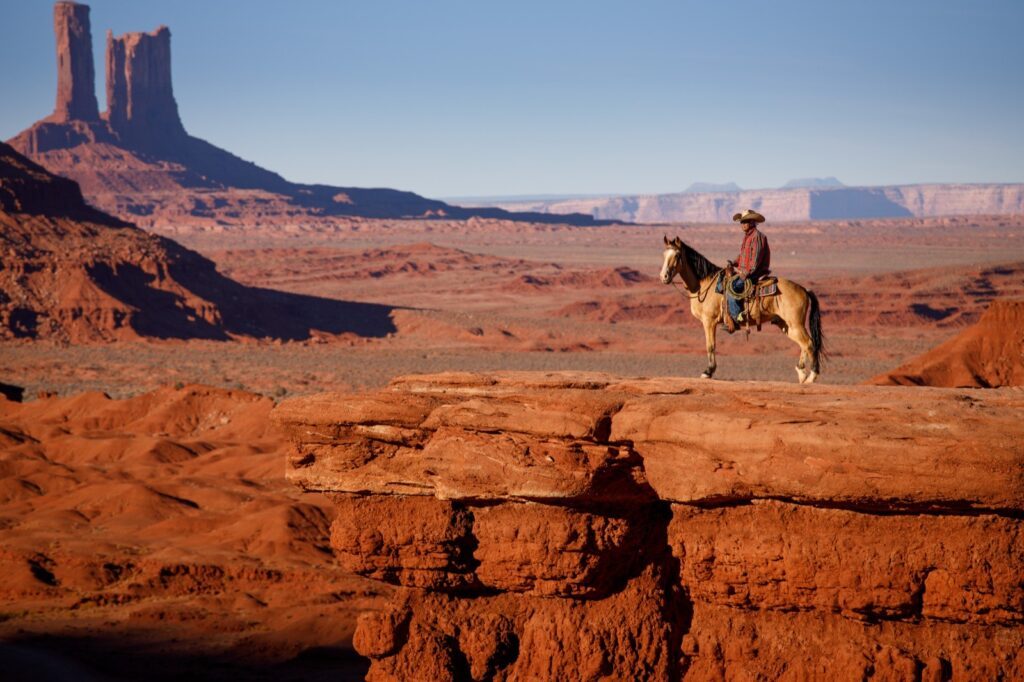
[702, 292]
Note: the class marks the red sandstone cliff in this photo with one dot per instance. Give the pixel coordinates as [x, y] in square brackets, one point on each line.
[71, 273]
[988, 354]
[567, 526]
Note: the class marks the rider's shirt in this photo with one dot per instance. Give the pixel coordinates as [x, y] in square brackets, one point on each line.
[755, 256]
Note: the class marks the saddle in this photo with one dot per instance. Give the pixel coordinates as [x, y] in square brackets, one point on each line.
[753, 298]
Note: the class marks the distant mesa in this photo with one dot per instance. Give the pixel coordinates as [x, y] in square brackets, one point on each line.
[815, 183]
[712, 187]
[136, 158]
[70, 273]
[794, 203]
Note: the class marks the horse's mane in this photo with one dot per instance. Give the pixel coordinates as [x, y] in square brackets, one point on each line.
[700, 265]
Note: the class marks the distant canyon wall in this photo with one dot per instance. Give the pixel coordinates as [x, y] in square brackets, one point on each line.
[845, 203]
[578, 526]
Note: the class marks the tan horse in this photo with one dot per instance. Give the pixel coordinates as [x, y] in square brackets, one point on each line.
[787, 310]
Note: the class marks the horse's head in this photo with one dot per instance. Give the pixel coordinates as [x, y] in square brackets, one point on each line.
[672, 259]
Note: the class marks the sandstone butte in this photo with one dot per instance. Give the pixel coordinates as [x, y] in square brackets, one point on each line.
[137, 161]
[575, 526]
[987, 354]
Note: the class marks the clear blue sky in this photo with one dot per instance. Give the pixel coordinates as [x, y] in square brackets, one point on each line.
[474, 97]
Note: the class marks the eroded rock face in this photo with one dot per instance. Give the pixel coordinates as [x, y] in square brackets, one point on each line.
[76, 79]
[740, 531]
[140, 99]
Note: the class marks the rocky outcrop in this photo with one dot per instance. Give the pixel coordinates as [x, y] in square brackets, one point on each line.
[71, 273]
[567, 526]
[26, 187]
[140, 101]
[76, 80]
[987, 354]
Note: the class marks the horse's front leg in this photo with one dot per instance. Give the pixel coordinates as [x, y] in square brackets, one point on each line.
[710, 329]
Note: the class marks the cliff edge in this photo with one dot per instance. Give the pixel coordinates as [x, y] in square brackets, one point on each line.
[578, 526]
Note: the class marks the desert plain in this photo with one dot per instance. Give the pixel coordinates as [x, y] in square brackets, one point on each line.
[259, 430]
[153, 529]
[486, 295]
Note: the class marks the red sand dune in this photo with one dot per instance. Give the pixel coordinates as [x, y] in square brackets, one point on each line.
[987, 354]
[165, 520]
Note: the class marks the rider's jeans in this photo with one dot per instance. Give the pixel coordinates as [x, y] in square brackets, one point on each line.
[735, 305]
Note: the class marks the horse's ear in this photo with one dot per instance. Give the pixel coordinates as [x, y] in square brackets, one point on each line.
[677, 242]
[665, 237]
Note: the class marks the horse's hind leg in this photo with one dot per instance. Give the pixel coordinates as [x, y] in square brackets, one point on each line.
[710, 328]
[804, 371]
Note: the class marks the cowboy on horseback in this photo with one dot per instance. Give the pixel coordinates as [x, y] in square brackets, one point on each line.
[791, 307]
[753, 263]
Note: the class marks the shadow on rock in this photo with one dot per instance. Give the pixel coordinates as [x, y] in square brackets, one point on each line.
[52, 658]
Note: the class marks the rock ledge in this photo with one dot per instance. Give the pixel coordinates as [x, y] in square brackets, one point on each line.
[585, 526]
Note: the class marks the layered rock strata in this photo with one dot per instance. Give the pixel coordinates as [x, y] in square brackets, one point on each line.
[567, 526]
[795, 203]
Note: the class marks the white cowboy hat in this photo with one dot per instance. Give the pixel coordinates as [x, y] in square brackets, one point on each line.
[748, 216]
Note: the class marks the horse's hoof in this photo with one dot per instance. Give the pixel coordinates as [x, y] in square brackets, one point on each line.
[801, 375]
[811, 377]
[705, 375]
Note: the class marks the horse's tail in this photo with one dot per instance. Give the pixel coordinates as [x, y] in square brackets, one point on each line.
[818, 349]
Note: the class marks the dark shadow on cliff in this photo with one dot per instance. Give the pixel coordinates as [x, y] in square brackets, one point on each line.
[58, 658]
[28, 188]
[854, 203]
[229, 309]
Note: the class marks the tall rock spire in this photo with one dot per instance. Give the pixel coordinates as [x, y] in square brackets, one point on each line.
[76, 76]
[140, 100]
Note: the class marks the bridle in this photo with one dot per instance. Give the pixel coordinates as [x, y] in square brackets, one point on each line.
[702, 292]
